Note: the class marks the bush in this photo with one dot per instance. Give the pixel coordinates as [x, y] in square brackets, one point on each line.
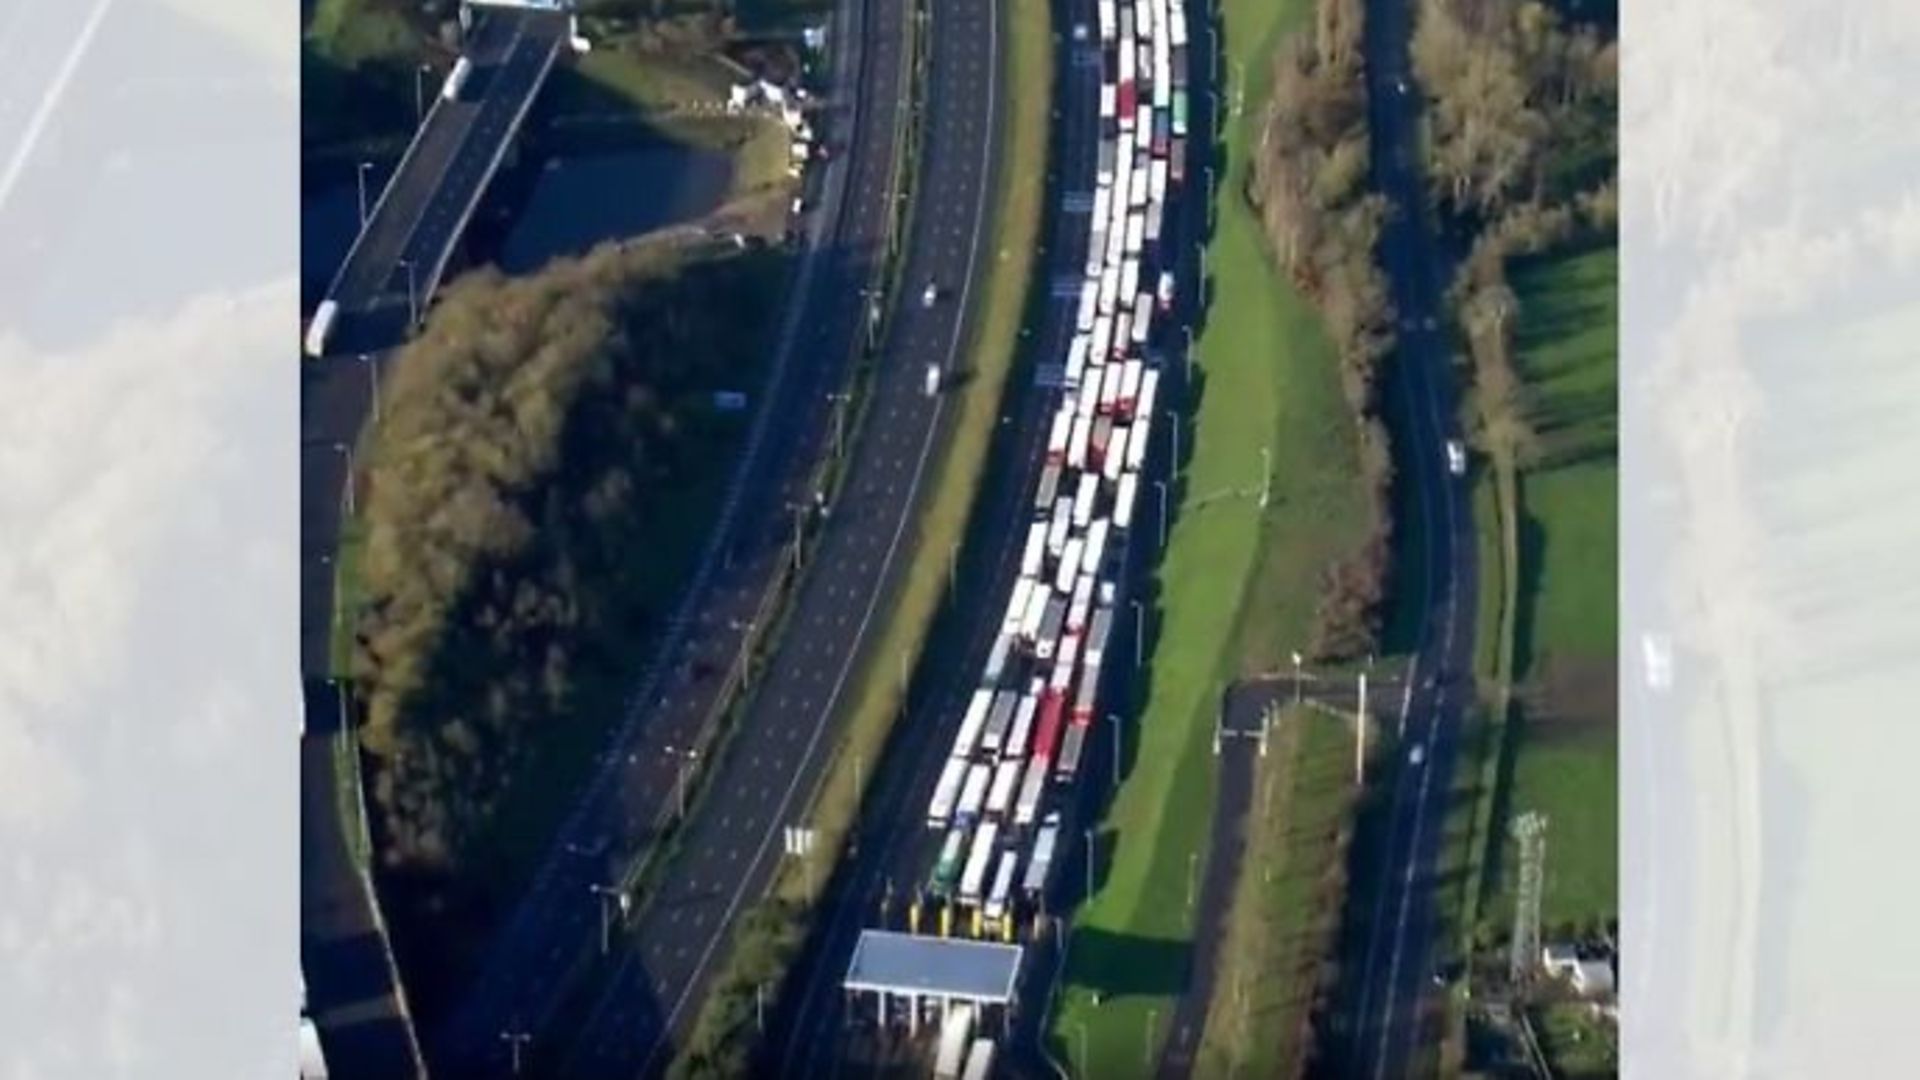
[1309, 182]
[526, 484]
[1522, 160]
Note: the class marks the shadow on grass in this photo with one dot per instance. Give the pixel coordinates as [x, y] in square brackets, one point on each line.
[1532, 542]
[1122, 965]
[1493, 869]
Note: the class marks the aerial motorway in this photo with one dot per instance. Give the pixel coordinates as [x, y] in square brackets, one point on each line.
[675, 935]
[731, 851]
[971, 830]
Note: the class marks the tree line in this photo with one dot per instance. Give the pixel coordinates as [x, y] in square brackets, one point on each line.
[536, 488]
[1310, 182]
[1521, 159]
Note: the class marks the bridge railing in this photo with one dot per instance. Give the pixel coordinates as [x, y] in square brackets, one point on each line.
[431, 281]
[419, 133]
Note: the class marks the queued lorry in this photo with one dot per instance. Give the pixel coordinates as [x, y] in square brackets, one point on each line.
[956, 1034]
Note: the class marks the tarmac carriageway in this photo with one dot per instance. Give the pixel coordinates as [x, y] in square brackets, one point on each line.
[634, 792]
[1399, 1010]
[395, 263]
[730, 850]
[815, 1035]
[811, 1037]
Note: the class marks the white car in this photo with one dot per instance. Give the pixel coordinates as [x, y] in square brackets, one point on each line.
[1416, 755]
[927, 298]
[1456, 458]
[1165, 290]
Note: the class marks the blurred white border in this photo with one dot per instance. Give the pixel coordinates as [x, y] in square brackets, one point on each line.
[149, 683]
[1770, 162]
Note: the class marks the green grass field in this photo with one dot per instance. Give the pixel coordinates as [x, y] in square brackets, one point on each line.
[1236, 590]
[1564, 757]
[355, 32]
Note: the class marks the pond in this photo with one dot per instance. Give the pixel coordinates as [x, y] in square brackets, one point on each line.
[574, 203]
[578, 202]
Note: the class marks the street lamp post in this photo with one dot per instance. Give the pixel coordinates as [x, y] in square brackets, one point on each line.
[681, 759]
[799, 511]
[742, 670]
[360, 178]
[1139, 633]
[1089, 863]
[419, 96]
[839, 423]
[1296, 680]
[1162, 486]
[606, 893]
[346, 451]
[373, 383]
[516, 1040]
[413, 295]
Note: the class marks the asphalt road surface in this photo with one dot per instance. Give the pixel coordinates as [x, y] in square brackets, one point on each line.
[1399, 1009]
[396, 262]
[635, 791]
[816, 1036]
[1226, 844]
[895, 848]
[352, 987]
[731, 850]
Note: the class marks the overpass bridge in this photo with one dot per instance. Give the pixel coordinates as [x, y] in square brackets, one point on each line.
[404, 246]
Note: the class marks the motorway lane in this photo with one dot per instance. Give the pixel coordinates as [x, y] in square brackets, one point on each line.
[509, 91]
[635, 788]
[729, 851]
[810, 1013]
[1399, 1009]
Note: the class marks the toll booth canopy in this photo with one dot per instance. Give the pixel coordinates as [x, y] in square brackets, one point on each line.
[889, 962]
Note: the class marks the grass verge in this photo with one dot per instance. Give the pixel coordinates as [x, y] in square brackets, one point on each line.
[1268, 380]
